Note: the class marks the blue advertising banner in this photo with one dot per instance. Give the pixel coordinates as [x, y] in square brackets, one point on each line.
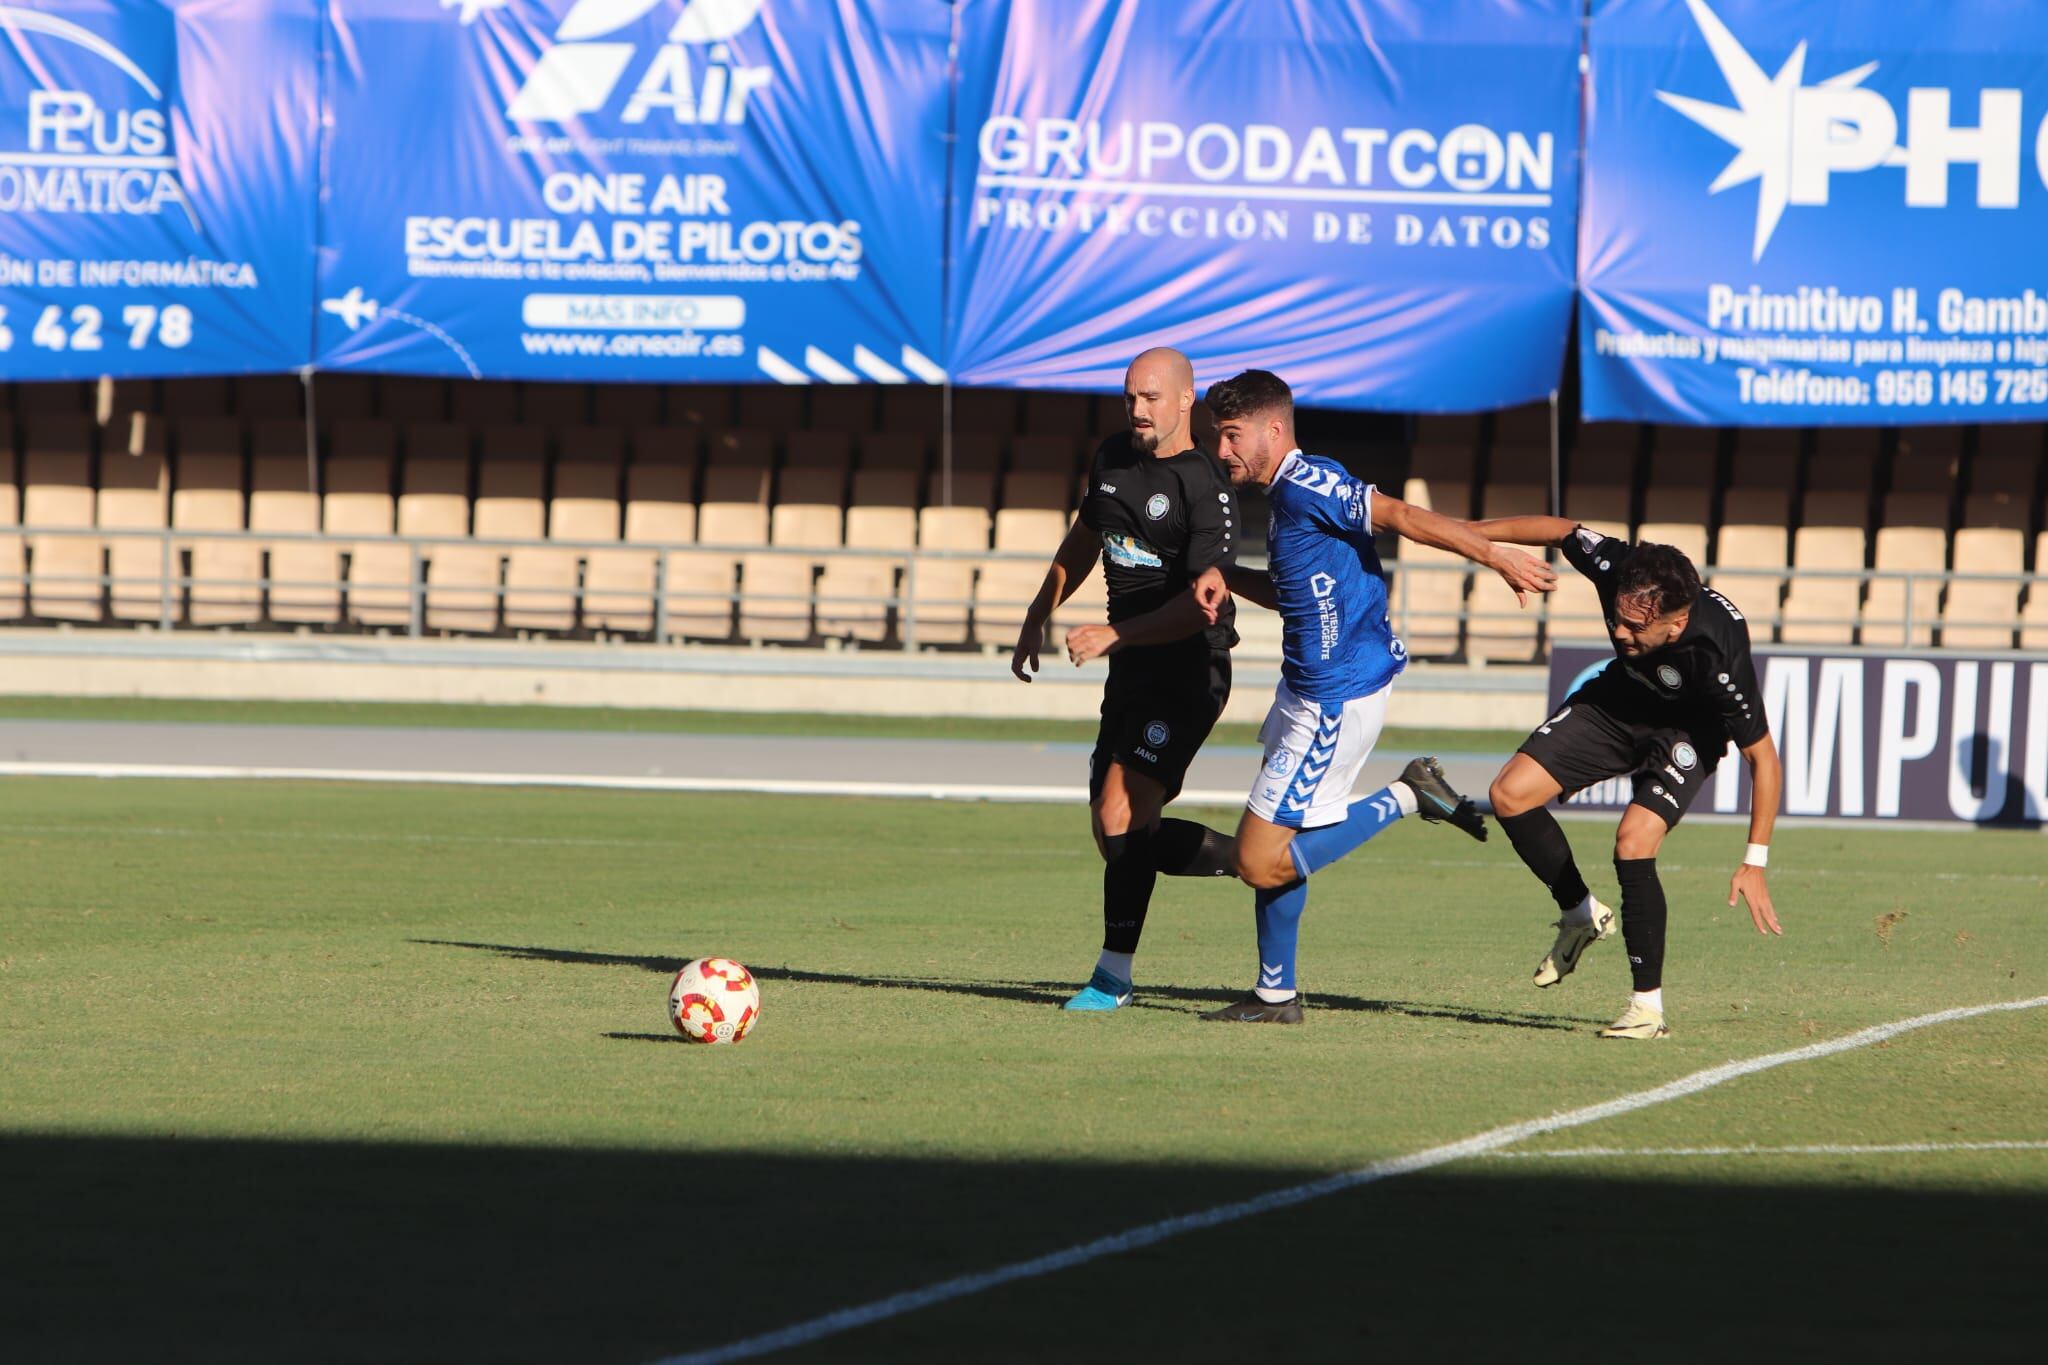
[1816, 212]
[156, 198]
[1373, 198]
[720, 190]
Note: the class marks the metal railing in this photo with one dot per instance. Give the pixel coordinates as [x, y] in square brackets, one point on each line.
[174, 583]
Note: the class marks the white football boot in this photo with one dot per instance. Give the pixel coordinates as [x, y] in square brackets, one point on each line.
[1573, 938]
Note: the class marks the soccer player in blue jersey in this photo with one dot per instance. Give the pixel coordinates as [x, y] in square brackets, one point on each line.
[1338, 662]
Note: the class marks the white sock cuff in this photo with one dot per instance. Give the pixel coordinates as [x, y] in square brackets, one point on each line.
[1117, 965]
[1404, 794]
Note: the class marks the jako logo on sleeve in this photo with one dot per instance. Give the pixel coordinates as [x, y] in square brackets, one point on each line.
[1791, 137]
[579, 76]
[98, 138]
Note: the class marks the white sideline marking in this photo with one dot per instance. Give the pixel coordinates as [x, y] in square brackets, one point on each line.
[775, 786]
[1818, 1149]
[846, 1319]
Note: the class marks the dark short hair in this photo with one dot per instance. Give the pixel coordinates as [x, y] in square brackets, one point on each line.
[1663, 574]
[1251, 392]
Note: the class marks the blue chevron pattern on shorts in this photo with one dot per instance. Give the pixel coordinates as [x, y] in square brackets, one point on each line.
[1322, 751]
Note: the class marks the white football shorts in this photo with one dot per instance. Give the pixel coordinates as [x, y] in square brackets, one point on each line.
[1314, 754]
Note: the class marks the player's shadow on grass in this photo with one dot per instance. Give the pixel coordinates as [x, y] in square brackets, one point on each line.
[1184, 999]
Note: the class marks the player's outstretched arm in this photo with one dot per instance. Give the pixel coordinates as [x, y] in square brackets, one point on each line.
[1070, 566]
[1522, 573]
[1527, 530]
[1176, 620]
[1767, 779]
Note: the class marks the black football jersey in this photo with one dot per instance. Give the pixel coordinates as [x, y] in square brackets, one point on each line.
[1707, 669]
[1162, 522]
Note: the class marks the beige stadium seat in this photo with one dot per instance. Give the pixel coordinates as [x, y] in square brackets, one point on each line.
[769, 407]
[1497, 627]
[13, 553]
[1428, 604]
[913, 410]
[356, 500]
[809, 515]
[626, 406]
[411, 400]
[1912, 538]
[852, 590]
[226, 576]
[135, 495]
[305, 576]
[541, 583]
[270, 397]
[1066, 414]
[661, 509]
[1820, 610]
[1756, 514]
[732, 515]
[1597, 498]
[2034, 615]
[434, 491]
[1032, 521]
[843, 407]
[203, 396]
[511, 483]
[482, 402]
[1991, 540]
[554, 406]
[1678, 486]
[826, 450]
[57, 491]
[941, 591]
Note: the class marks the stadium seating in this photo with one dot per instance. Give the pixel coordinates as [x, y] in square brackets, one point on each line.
[799, 510]
[225, 575]
[1912, 537]
[59, 492]
[1428, 606]
[660, 509]
[1991, 538]
[1597, 494]
[305, 575]
[13, 552]
[1832, 534]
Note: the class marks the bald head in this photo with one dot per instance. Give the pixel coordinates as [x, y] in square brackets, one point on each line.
[1159, 394]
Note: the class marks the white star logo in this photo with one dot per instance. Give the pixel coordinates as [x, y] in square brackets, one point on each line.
[1760, 126]
[472, 8]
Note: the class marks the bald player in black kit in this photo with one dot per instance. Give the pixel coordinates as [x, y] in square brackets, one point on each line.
[1157, 511]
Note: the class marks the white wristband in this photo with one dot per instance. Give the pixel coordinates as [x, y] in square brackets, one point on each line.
[1757, 855]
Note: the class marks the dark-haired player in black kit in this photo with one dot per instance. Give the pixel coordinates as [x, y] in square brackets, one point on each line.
[1157, 511]
[1682, 685]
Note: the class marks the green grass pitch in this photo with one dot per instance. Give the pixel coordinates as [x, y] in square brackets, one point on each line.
[302, 1072]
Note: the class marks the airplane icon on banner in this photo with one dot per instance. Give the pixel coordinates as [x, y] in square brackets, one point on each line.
[352, 308]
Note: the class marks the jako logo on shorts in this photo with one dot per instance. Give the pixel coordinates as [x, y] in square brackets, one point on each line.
[580, 76]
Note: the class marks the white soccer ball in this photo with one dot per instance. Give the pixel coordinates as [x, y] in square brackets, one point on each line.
[714, 1000]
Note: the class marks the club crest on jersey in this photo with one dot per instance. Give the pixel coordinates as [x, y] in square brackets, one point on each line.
[1280, 762]
[1131, 552]
[1669, 676]
[1685, 756]
[1155, 506]
[1156, 734]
